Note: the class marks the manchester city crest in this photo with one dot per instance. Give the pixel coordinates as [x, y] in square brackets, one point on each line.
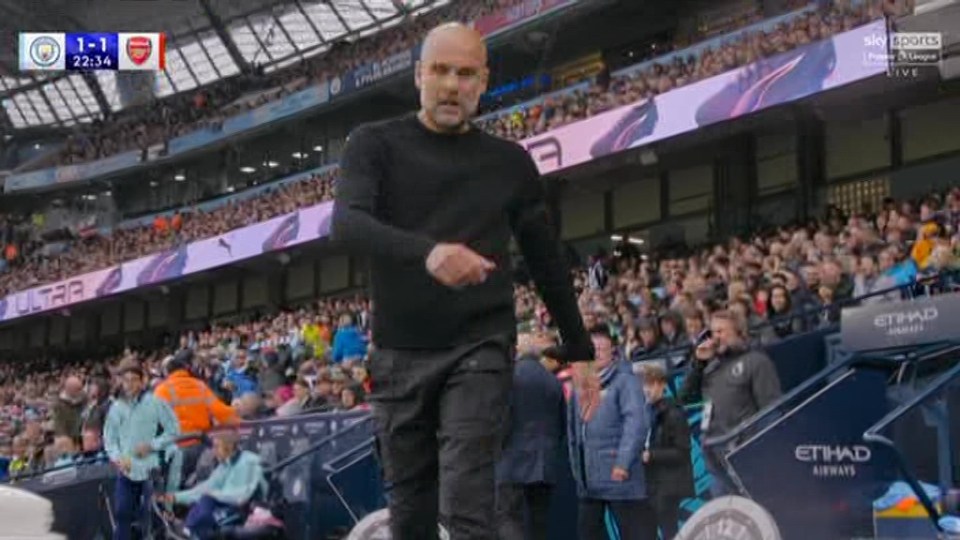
[45, 51]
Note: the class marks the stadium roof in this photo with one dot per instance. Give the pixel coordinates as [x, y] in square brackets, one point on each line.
[206, 40]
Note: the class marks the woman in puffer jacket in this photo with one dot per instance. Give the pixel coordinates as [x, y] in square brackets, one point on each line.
[605, 451]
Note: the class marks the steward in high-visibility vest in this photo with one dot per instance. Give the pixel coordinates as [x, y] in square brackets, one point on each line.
[196, 406]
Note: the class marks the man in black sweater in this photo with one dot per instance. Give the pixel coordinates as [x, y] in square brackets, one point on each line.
[433, 201]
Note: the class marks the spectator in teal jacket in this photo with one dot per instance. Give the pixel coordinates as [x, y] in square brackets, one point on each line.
[132, 442]
[221, 500]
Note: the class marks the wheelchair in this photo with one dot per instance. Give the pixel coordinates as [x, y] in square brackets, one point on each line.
[260, 519]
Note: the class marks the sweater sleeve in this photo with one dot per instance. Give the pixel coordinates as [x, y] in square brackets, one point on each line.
[543, 254]
[765, 384]
[111, 435]
[169, 426]
[192, 495]
[248, 478]
[355, 223]
[221, 412]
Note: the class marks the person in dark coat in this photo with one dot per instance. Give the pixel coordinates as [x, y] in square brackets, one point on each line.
[605, 451]
[666, 453]
[530, 463]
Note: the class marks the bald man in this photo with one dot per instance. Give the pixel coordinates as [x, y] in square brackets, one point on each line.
[433, 201]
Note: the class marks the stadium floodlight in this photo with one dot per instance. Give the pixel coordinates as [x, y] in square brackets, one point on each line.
[247, 170]
[179, 177]
[318, 148]
[298, 155]
[272, 164]
[616, 237]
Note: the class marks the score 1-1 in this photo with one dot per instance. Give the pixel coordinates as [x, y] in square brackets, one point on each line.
[91, 51]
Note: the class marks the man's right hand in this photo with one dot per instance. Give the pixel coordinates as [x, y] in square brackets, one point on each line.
[706, 350]
[123, 464]
[456, 265]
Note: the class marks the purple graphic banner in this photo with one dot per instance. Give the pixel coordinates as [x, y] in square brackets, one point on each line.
[790, 76]
[506, 18]
[278, 233]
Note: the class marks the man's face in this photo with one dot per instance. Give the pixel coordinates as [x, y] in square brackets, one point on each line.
[132, 383]
[451, 76]
[603, 349]
[725, 334]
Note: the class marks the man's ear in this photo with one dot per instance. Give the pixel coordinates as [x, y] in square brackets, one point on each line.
[416, 75]
[484, 80]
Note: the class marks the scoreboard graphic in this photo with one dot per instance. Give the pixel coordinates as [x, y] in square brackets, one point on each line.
[125, 51]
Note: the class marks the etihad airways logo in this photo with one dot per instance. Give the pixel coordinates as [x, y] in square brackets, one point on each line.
[913, 316]
[816, 453]
[832, 461]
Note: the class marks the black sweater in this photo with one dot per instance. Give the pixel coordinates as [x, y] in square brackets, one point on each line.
[405, 188]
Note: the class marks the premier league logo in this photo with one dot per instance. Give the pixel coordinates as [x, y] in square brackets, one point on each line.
[139, 49]
[44, 51]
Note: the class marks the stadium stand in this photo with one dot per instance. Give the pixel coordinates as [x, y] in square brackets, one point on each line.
[162, 120]
[31, 265]
[786, 281]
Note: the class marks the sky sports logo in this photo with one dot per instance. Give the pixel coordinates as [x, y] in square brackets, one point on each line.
[903, 53]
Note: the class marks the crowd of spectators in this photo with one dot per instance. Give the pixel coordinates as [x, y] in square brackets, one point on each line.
[606, 93]
[183, 113]
[29, 269]
[32, 267]
[785, 282]
[178, 115]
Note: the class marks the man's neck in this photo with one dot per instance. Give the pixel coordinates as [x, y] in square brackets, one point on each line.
[432, 126]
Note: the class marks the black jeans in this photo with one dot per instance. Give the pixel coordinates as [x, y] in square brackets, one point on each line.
[635, 519]
[523, 511]
[667, 510]
[439, 416]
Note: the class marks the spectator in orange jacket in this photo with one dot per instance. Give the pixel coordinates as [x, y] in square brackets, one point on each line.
[197, 408]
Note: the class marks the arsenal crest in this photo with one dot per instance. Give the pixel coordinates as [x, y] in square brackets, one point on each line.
[139, 49]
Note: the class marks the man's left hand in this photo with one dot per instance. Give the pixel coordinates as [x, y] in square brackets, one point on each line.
[143, 450]
[646, 456]
[619, 475]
